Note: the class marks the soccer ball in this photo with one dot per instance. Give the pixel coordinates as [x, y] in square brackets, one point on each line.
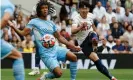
[48, 40]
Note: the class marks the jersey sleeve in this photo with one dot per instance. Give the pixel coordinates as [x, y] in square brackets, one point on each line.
[10, 8]
[30, 24]
[75, 21]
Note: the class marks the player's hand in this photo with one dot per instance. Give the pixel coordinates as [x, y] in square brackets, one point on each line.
[77, 48]
[84, 26]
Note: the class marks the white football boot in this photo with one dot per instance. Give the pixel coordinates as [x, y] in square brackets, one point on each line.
[34, 72]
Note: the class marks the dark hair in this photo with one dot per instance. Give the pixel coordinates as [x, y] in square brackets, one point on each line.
[38, 8]
[129, 26]
[83, 4]
[62, 30]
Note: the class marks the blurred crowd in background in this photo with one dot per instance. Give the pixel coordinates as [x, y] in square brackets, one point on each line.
[113, 20]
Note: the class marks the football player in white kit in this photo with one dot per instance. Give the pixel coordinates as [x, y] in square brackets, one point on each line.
[85, 32]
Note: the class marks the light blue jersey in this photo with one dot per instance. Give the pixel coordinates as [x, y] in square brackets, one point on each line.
[50, 56]
[6, 48]
[6, 6]
[43, 27]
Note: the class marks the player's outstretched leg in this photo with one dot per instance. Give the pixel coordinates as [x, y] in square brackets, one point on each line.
[18, 65]
[73, 64]
[53, 65]
[93, 56]
[57, 73]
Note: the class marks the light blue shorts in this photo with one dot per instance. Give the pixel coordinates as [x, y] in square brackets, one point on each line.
[52, 62]
[6, 48]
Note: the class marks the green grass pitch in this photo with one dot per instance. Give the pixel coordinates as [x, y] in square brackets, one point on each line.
[121, 74]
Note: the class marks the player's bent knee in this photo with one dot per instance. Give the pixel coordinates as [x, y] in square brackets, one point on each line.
[71, 57]
[18, 54]
[74, 59]
[57, 72]
[15, 54]
[93, 56]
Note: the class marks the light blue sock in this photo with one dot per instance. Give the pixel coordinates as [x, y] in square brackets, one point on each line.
[73, 70]
[18, 69]
[49, 76]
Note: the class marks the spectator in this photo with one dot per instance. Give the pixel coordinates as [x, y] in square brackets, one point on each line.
[104, 49]
[6, 37]
[99, 9]
[19, 46]
[128, 16]
[110, 42]
[128, 4]
[125, 25]
[110, 15]
[132, 49]
[127, 48]
[19, 23]
[28, 44]
[103, 26]
[119, 15]
[116, 31]
[113, 21]
[129, 34]
[73, 14]
[122, 10]
[113, 3]
[107, 5]
[13, 33]
[65, 34]
[123, 3]
[14, 41]
[65, 11]
[73, 8]
[109, 32]
[132, 9]
[118, 48]
[103, 2]
[17, 10]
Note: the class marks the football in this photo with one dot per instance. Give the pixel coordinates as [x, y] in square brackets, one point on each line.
[48, 40]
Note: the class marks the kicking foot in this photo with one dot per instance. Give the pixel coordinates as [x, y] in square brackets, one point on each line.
[34, 72]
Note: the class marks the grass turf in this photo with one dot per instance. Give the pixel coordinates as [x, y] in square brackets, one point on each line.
[121, 74]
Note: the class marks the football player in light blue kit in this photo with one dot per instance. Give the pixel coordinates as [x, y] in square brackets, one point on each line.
[7, 50]
[50, 56]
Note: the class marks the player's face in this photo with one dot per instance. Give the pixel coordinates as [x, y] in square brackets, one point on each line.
[83, 12]
[44, 10]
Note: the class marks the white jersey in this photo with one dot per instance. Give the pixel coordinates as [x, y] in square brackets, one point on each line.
[78, 20]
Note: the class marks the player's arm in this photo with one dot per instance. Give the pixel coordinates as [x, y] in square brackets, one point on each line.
[8, 12]
[5, 19]
[24, 32]
[76, 28]
[64, 41]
